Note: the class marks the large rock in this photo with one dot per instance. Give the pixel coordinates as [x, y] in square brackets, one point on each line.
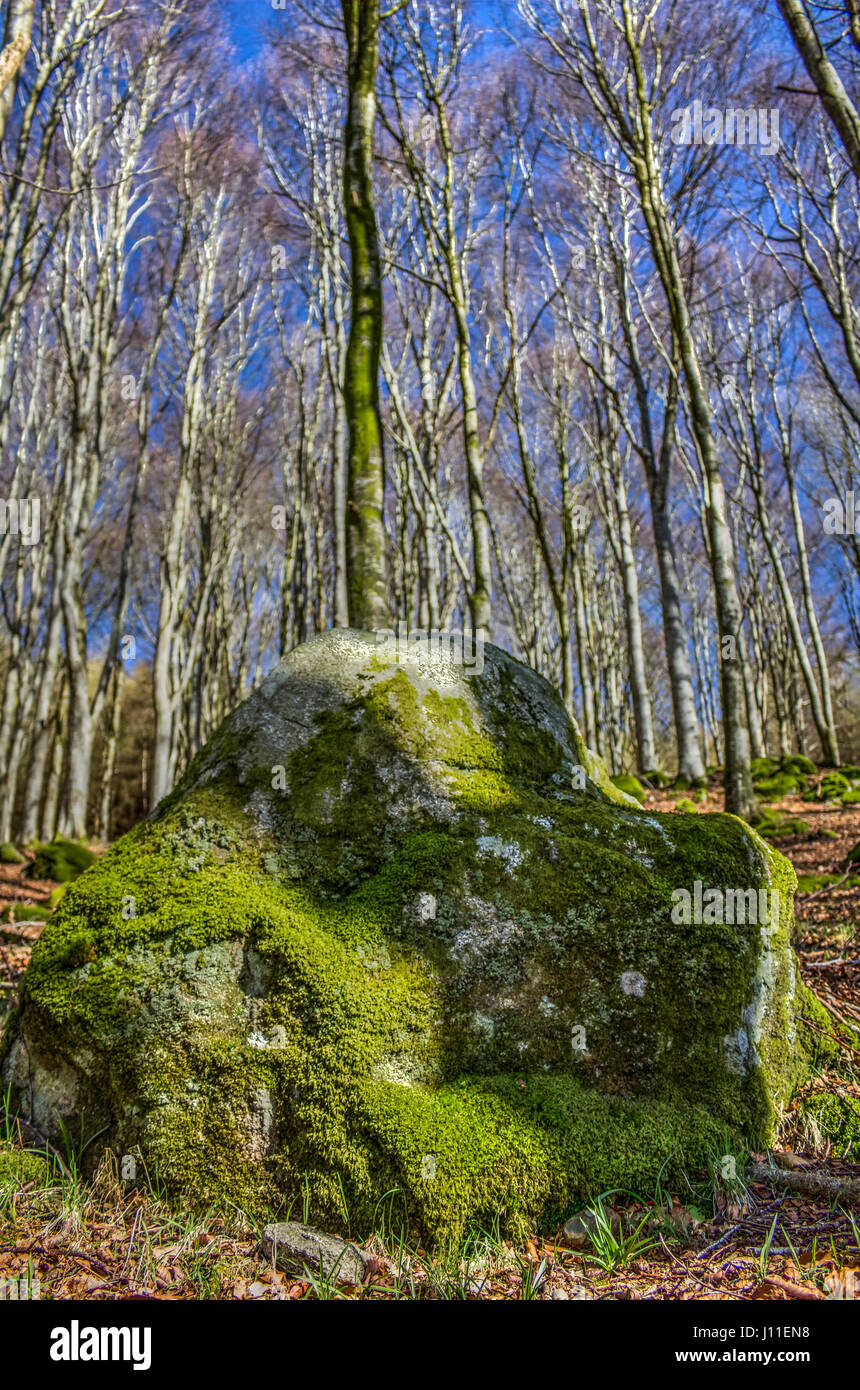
[387, 944]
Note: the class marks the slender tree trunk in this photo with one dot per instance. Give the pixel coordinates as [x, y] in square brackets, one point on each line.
[739, 796]
[481, 597]
[691, 766]
[17, 32]
[80, 725]
[334, 351]
[50, 810]
[822, 725]
[582, 651]
[42, 716]
[645, 745]
[658, 469]
[831, 89]
[827, 725]
[368, 601]
[112, 729]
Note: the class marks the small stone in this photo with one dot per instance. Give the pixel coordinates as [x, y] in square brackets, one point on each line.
[293, 1246]
[579, 1229]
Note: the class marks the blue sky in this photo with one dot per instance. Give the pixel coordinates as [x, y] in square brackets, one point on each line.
[246, 18]
[249, 17]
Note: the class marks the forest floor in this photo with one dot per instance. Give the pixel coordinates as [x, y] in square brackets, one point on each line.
[735, 1240]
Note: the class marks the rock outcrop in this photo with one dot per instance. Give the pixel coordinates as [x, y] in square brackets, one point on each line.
[395, 938]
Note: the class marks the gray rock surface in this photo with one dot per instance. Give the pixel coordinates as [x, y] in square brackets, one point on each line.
[581, 1227]
[294, 1247]
[396, 932]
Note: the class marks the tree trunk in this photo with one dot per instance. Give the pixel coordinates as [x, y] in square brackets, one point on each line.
[834, 98]
[368, 602]
[739, 796]
[17, 32]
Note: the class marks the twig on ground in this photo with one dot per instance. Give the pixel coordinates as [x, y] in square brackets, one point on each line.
[688, 1272]
[815, 1184]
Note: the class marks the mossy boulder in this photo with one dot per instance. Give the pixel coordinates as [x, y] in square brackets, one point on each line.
[796, 762]
[832, 787]
[630, 785]
[24, 912]
[774, 826]
[396, 938]
[61, 860]
[9, 854]
[763, 767]
[780, 786]
[656, 778]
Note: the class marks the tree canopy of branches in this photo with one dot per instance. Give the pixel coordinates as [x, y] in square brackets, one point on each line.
[547, 327]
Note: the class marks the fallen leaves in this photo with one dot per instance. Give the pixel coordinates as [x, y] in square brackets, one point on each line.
[775, 1287]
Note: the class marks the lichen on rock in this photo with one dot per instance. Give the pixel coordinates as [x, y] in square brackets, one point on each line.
[396, 938]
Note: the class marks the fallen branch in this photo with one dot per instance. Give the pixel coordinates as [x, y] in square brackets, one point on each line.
[828, 1033]
[813, 1184]
[808, 897]
[837, 960]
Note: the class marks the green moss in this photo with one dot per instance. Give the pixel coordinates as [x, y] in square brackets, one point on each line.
[61, 860]
[832, 787]
[24, 912]
[190, 889]
[10, 855]
[811, 883]
[773, 826]
[521, 1145]
[797, 763]
[778, 787]
[19, 1167]
[837, 1119]
[763, 767]
[631, 785]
